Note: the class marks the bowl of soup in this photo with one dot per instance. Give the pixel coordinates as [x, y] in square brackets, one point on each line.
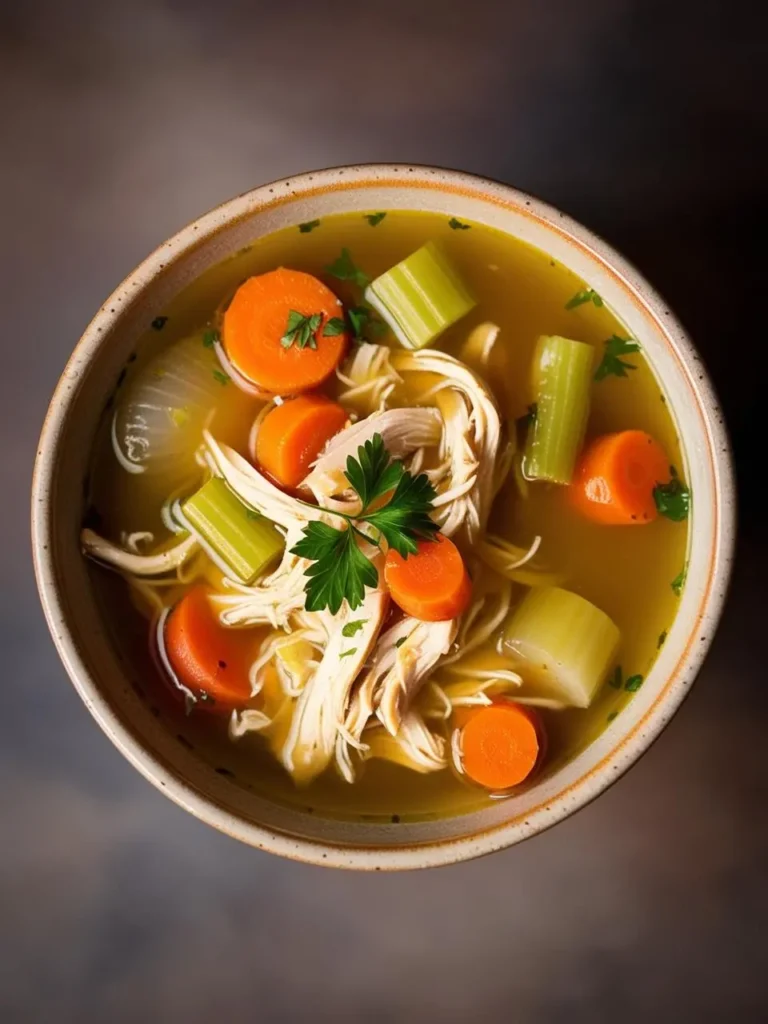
[383, 516]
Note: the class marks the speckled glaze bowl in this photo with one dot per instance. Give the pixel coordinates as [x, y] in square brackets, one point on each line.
[104, 679]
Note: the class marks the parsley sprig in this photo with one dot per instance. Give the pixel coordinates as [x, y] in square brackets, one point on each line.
[301, 330]
[344, 269]
[340, 570]
[585, 295]
[612, 364]
[673, 499]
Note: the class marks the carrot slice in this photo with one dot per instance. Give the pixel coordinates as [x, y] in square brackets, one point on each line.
[257, 320]
[432, 584]
[209, 659]
[500, 745]
[293, 434]
[616, 476]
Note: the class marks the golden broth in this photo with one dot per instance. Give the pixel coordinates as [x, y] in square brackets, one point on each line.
[625, 571]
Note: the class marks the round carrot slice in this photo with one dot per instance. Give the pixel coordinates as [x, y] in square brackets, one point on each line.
[209, 659]
[293, 434]
[616, 476]
[267, 337]
[432, 584]
[499, 745]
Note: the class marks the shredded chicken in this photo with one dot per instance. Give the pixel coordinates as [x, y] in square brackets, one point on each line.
[322, 705]
[255, 490]
[470, 440]
[414, 746]
[130, 561]
[476, 350]
[413, 661]
[402, 430]
[369, 378]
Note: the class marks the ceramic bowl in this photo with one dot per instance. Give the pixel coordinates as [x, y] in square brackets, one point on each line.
[104, 677]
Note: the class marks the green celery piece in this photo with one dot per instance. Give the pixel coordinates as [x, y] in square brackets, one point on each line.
[563, 381]
[231, 533]
[420, 297]
[565, 645]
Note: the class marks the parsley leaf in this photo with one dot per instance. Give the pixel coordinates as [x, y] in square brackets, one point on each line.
[401, 641]
[679, 581]
[372, 474]
[210, 338]
[611, 364]
[353, 627]
[633, 684]
[345, 270]
[662, 638]
[333, 327]
[673, 499]
[346, 654]
[585, 295]
[457, 225]
[221, 377]
[301, 330]
[405, 518]
[362, 320]
[612, 715]
[310, 225]
[339, 568]
[617, 679]
[374, 218]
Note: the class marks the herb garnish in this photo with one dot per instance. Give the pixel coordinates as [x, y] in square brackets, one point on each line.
[308, 226]
[362, 319]
[345, 270]
[679, 581]
[401, 641]
[618, 682]
[457, 225]
[612, 715]
[611, 364]
[301, 329]
[585, 295]
[340, 570]
[374, 218]
[346, 654]
[353, 627]
[210, 338]
[333, 327]
[673, 499]
[662, 638]
[221, 377]
[159, 322]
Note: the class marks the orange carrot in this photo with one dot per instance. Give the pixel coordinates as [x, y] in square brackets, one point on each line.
[500, 744]
[615, 478]
[209, 659]
[432, 584]
[293, 434]
[257, 332]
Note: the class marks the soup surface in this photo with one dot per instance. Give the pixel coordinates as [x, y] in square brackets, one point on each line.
[436, 692]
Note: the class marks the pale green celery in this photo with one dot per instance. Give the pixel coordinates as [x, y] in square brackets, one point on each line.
[564, 645]
[420, 297]
[562, 382]
[240, 541]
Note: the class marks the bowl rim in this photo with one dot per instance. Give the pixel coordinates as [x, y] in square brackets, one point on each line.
[627, 748]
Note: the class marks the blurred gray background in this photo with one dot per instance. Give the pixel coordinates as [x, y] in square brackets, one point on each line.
[120, 122]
